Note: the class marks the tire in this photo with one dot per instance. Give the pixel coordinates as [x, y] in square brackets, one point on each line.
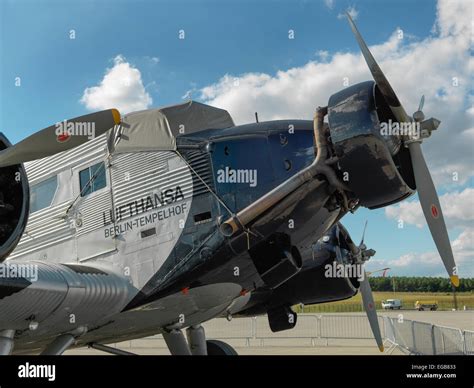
[421, 309]
[219, 348]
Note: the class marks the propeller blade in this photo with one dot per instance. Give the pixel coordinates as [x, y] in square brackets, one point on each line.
[432, 210]
[339, 254]
[428, 197]
[422, 103]
[363, 234]
[339, 257]
[379, 77]
[55, 139]
[369, 307]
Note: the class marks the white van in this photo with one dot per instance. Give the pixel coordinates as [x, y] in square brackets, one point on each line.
[392, 304]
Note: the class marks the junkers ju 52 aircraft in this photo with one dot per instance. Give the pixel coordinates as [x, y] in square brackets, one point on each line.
[157, 224]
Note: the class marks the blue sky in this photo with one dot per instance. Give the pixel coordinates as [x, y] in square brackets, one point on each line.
[221, 37]
[238, 38]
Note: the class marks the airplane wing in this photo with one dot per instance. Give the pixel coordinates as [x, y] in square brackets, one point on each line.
[48, 299]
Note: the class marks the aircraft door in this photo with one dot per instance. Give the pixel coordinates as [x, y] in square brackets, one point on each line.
[90, 215]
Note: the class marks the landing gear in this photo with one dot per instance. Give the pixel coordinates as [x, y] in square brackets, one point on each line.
[219, 348]
[63, 342]
[196, 344]
[197, 340]
[176, 343]
[6, 342]
[59, 345]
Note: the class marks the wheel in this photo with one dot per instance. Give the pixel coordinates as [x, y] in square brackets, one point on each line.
[421, 309]
[219, 348]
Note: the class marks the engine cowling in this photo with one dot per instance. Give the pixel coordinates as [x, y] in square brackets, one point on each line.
[276, 259]
[311, 285]
[376, 165]
[14, 204]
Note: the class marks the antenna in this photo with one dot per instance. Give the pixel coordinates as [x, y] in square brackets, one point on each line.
[256, 117]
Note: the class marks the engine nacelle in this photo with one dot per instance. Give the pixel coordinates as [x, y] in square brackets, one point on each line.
[14, 204]
[276, 259]
[311, 285]
[378, 166]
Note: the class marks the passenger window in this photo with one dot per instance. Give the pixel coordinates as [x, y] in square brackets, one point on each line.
[92, 179]
[42, 194]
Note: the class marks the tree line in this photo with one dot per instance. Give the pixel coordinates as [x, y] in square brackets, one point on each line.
[418, 284]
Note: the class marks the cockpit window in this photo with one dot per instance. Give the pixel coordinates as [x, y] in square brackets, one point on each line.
[42, 194]
[92, 179]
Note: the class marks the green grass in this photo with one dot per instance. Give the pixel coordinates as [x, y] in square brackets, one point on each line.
[354, 304]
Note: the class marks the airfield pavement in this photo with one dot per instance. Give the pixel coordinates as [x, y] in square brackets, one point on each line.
[272, 345]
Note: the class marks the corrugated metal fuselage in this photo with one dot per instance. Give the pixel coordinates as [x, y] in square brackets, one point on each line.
[156, 224]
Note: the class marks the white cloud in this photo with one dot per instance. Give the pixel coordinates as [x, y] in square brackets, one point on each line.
[429, 263]
[438, 66]
[190, 92]
[430, 66]
[154, 60]
[352, 11]
[323, 55]
[458, 210]
[329, 3]
[187, 95]
[121, 88]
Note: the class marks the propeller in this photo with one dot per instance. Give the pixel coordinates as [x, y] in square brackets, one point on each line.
[60, 137]
[370, 310]
[426, 190]
[360, 254]
[363, 235]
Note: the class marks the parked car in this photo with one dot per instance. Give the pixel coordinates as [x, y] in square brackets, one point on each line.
[392, 304]
[431, 305]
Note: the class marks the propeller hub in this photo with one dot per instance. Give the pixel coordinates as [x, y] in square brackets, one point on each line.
[418, 116]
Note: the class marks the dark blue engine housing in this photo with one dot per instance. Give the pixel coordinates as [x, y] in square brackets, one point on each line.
[378, 167]
[14, 204]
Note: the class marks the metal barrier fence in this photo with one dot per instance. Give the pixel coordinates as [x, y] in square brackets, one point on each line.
[412, 337]
[469, 342]
[424, 338]
[309, 326]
